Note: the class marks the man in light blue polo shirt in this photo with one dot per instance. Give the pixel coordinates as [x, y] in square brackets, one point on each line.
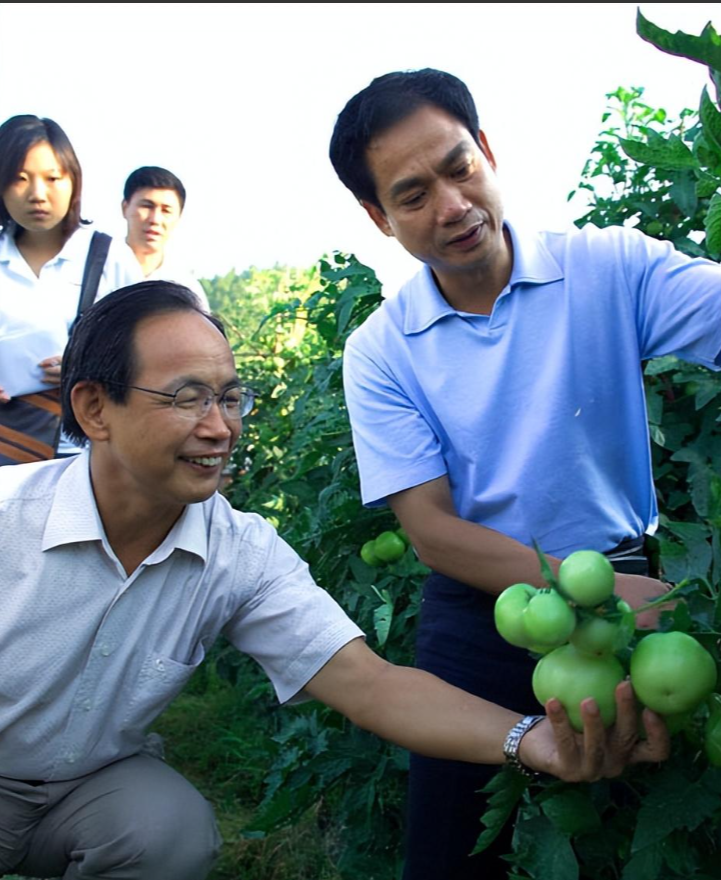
[498, 399]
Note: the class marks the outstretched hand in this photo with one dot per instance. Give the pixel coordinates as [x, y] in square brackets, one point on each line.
[554, 747]
[4, 396]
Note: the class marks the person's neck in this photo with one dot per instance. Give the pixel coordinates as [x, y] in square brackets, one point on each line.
[149, 260]
[136, 528]
[476, 290]
[38, 248]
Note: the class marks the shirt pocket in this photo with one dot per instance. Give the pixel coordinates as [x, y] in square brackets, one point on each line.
[160, 679]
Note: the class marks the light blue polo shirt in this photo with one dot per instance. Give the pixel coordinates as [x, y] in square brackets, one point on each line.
[536, 412]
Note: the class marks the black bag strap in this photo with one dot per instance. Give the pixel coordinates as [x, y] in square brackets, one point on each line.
[94, 263]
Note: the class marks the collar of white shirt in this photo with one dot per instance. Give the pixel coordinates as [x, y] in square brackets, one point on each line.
[74, 517]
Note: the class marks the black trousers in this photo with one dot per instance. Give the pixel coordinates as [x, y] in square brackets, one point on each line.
[458, 642]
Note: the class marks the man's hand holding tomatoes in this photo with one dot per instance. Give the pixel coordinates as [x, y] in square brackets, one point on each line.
[554, 747]
[637, 591]
[426, 715]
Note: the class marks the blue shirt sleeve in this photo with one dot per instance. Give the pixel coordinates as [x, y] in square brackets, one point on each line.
[396, 447]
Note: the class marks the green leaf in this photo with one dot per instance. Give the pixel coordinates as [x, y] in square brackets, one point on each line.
[644, 865]
[683, 192]
[713, 225]
[710, 119]
[673, 803]
[668, 153]
[546, 570]
[572, 811]
[654, 405]
[543, 851]
[506, 789]
[661, 365]
[706, 49]
[707, 186]
[383, 615]
[657, 435]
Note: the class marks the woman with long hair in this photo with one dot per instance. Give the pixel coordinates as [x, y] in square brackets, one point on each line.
[44, 244]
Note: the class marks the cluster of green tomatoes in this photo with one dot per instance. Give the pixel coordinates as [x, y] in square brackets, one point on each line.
[584, 631]
[388, 547]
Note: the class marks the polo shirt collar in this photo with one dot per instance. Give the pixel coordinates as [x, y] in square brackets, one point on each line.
[425, 304]
[74, 517]
[9, 252]
[74, 249]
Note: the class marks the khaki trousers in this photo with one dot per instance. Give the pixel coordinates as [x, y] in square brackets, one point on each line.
[136, 819]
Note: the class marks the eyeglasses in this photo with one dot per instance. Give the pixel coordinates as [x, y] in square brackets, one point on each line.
[195, 400]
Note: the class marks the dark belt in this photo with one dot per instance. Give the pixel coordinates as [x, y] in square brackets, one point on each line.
[631, 548]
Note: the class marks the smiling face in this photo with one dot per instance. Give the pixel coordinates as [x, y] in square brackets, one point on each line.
[151, 215]
[144, 454]
[39, 198]
[440, 198]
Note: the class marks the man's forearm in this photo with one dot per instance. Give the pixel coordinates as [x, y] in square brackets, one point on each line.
[423, 714]
[481, 557]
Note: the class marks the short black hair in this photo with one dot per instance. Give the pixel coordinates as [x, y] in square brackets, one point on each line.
[18, 135]
[387, 100]
[101, 348]
[153, 177]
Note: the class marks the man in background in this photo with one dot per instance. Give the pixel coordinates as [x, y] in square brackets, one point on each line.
[153, 202]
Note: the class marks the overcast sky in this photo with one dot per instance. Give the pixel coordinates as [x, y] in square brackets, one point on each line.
[239, 100]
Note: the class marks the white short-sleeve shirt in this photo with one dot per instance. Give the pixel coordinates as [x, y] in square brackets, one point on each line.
[90, 657]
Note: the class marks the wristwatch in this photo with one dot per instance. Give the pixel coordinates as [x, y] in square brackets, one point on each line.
[513, 741]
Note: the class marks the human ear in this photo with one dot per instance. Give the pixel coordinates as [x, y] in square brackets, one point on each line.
[378, 216]
[88, 400]
[124, 209]
[486, 149]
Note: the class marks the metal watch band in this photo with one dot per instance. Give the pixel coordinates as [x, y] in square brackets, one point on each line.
[513, 742]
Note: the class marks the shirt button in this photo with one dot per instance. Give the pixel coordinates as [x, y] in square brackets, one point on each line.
[70, 758]
[87, 705]
[159, 665]
[105, 650]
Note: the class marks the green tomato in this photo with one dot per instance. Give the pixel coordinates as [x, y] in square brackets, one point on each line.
[368, 554]
[595, 636]
[388, 547]
[403, 535]
[572, 677]
[508, 614]
[671, 672]
[599, 635]
[586, 577]
[549, 619]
